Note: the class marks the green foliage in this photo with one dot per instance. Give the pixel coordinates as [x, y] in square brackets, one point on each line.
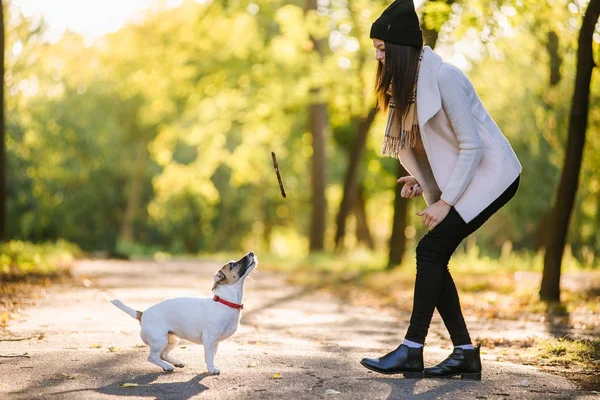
[569, 352]
[158, 136]
[19, 258]
[436, 14]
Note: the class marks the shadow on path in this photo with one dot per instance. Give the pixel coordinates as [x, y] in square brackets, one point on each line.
[167, 390]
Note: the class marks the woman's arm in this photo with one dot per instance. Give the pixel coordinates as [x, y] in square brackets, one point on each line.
[454, 90]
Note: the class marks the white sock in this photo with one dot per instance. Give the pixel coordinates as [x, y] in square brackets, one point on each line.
[412, 344]
[465, 347]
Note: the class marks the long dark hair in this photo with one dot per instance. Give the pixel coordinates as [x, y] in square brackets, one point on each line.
[400, 69]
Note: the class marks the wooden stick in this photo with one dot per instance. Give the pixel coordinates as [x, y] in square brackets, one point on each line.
[276, 166]
[21, 355]
[16, 339]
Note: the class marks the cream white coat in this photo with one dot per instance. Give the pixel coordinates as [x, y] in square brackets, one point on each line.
[471, 160]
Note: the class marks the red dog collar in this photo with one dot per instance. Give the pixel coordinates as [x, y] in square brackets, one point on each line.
[227, 303]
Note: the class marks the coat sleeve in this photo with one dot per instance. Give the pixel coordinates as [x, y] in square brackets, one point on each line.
[457, 95]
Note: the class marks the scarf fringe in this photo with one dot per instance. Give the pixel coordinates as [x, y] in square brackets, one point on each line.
[409, 138]
[391, 146]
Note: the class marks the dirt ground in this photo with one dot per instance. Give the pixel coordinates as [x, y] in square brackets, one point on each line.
[293, 343]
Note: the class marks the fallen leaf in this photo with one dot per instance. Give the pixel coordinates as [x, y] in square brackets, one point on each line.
[332, 392]
[129, 384]
[183, 347]
[96, 345]
[252, 364]
[114, 349]
[277, 376]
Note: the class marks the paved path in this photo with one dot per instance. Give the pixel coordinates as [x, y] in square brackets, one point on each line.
[311, 339]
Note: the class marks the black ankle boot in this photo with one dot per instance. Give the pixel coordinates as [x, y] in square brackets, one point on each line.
[463, 362]
[404, 360]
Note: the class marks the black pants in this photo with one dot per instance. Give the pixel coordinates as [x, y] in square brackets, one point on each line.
[434, 287]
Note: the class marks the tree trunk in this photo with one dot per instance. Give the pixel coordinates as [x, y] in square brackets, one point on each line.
[540, 237]
[569, 180]
[318, 128]
[3, 214]
[398, 239]
[430, 36]
[350, 182]
[552, 46]
[363, 235]
[594, 240]
[135, 192]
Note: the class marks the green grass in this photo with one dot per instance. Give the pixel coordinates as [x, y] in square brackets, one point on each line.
[569, 352]
[19, 260]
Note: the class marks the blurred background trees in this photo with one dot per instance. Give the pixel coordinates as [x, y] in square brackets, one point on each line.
[158, 136]
[2, 135]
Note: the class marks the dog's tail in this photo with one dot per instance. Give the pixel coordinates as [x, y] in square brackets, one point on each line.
[130, 311]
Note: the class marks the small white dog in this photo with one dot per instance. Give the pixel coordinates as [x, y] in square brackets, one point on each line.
[205, 320]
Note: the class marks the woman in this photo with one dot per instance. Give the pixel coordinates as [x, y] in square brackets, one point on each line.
[461, 163]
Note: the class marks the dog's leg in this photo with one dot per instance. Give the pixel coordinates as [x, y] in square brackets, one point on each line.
[210, 350]
[172, 342]
[157, 343]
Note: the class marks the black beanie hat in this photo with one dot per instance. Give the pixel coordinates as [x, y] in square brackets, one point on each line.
[398, 24]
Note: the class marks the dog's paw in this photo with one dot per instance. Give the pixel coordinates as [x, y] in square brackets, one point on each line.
[214, 371]
[168, 370]
[179, 365]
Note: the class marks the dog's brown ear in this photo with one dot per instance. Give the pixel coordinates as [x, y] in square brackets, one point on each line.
[219, 278]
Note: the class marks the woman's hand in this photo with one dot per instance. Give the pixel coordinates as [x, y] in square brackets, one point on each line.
[434, 214]
[411, 187]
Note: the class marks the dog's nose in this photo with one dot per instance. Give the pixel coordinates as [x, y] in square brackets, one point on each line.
[251, 254]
